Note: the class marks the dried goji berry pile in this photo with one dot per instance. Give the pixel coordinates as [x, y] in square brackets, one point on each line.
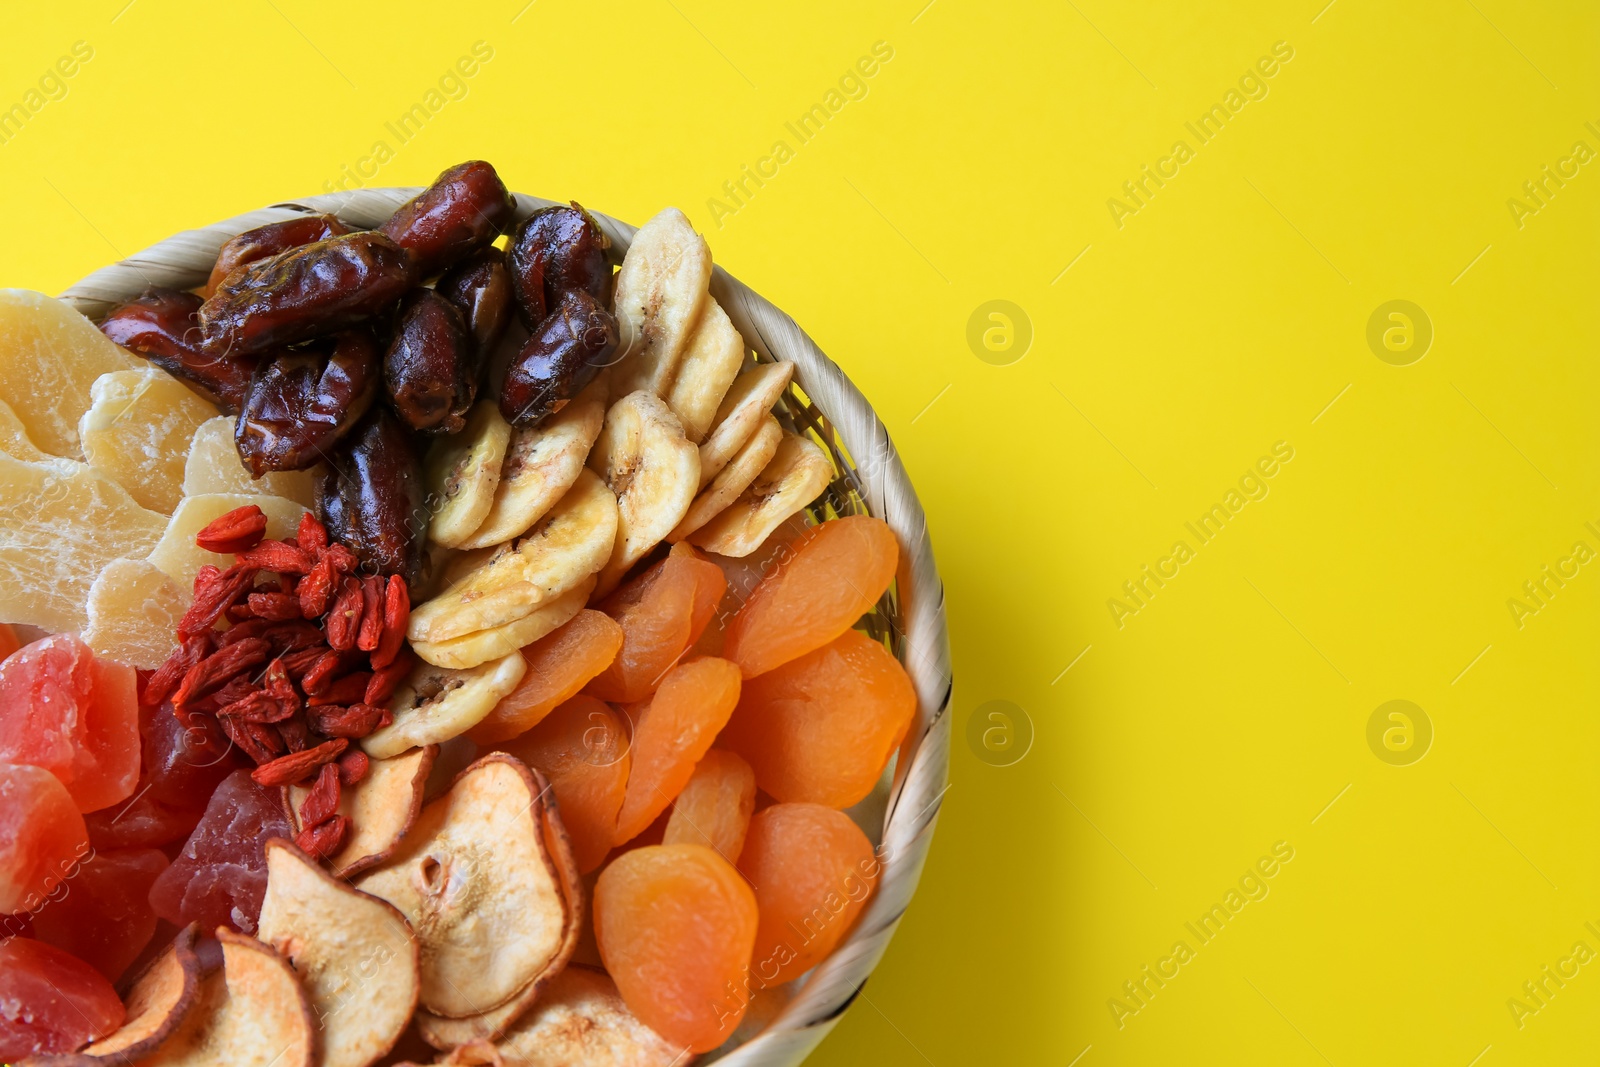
[294, 655]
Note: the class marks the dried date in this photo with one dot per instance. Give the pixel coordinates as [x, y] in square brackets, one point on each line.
[302, 402]
[371, 496]
[480, 288]
[269, 240]
[572, 345]
[163, 326]
[465, 208]
[431, 366]
[557, 249]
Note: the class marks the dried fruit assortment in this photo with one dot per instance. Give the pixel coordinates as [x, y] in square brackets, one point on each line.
[400, 677]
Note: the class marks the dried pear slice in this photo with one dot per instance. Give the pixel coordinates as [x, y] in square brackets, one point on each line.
[582, 1021]
[541, 464]
[654, 472]
[138, 429]
[491, 587]
[49, 358]
[660, 294]
[749, 399]
[445, 1033]
[14, 440]
[249, 1013]
[435, 704]
[214, 466]
[354, 954]
[177, 554]
[133, 609]
[158, 1002]
[462, 472]
[725, 488]
[482, 890]
[710, 363]
[797, 474]
[381, 807]
[469, 650]
[60, 524]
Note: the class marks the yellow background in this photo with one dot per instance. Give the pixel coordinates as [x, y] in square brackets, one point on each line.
[1221, 318]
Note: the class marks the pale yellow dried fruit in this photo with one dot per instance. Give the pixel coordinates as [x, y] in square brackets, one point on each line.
[469, 650]
[493, 586]
[353, 953]
[138, 429]
[133, 610]
[157, 1003]
[798, 473]
[381, 808]
[214, 466]
[540, 466]
[740, 415]
[481, 883]
[660, 293]
[14, 439]
[581, 1020]
[61, 523]
[462, 472]
[653, 470]
[733, 479]
[435, 704]
[49, 358]
[177, 554]
[710, 363]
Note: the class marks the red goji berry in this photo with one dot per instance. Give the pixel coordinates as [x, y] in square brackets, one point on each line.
[238, 531]
[278, 556]
[296, 766]
[353, 766]
[312, 535]
[344, 618]
[387, 679]
[322, 842]
[322, 803]
[373, 594]
[396, 617]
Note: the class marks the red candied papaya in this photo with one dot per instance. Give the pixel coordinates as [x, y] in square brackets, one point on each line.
[42, 837]
[105, 918]
[51, 1001]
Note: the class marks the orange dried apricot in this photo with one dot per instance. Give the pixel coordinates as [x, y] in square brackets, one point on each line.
[662, 613]
[676, 925]
[830, 576]
[714, 809]
[582, 747]
[670, 735]
[821, 728]
[559, 665]
[813, 870]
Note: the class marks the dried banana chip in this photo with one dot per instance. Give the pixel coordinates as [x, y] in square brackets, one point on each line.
[462, 472]
[654, 472]
[749, 400]
[710, 363]
[435, 704]
[660, 294]
[797, 475]
[733, 479]
[469, 650]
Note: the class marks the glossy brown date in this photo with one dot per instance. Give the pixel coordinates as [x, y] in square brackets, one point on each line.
[301, 402]
[480, 288]
[371, 496]
[465, 208]
[306, 292]
[431, 365]
[161, 326]
[572, 345]
[269, 240]
[556, 249]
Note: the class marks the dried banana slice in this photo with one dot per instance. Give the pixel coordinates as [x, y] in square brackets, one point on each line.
[469, 650]
[462, 472]
[746, 465]
[797, 474]
[494, 586]
[749, 399]
[541, 464]
[710, 363]
[340, 940]
[435, 704]
[654, 471]
[661, 291]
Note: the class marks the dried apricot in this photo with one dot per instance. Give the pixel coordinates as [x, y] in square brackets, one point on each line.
[670, 735]
[105, 918]
[582, 747]
[821, 728]
[676, 924]
[662, 613]
[42, 836]
[559, 664]
[813, 870]
[50, 1001]
[714, 808]
[832, 575]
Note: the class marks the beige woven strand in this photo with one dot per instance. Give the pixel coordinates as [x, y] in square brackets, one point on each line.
[871, 479]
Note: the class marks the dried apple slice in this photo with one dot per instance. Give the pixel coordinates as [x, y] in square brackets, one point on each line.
[582, 1021]
[462, 472]
[797, 475]
[381, 808]
[354, 954]
[748, 402]
[214, 466]
[138, 429]
[660, 294]
[491, 587]
[469, 650]
[177, 554]
[482, 888]
[133, 609]
[710, 363]
[435, 704]
[734, 479]
[654, 472]
[158, 1002]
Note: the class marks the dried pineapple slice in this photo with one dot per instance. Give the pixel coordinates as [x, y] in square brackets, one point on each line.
[138, 429]
[14, 440]
[214, 466]
[177, 554]
[134, 607]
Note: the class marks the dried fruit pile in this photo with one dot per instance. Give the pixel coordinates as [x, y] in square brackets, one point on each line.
[583, 803]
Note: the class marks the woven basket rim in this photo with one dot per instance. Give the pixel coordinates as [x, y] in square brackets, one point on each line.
[920, 635]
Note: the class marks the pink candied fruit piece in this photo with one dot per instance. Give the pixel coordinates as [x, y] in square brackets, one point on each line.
[74, 715]
[51, 1001]
[42, 837]
[220, 876]
[104, 918]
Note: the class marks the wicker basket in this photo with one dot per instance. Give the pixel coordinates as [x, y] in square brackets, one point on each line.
[871, 479]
